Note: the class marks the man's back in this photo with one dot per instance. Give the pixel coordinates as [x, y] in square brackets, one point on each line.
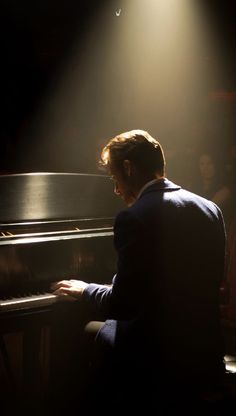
[174, 265]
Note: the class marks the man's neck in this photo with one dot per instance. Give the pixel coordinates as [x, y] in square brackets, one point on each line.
[148, 183]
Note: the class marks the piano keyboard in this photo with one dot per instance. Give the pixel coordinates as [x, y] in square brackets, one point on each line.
[30, 301]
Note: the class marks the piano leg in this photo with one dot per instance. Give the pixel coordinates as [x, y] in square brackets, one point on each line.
[35, 359]
[7, 365]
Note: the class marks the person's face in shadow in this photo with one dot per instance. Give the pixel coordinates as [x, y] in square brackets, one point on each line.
[206, 167]
[123, 184]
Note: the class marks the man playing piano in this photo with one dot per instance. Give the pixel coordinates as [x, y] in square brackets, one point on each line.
[161, 340]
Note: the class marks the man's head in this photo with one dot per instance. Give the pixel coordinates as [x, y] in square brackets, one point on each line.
[133, 158]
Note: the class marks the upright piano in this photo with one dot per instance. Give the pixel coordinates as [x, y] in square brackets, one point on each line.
[53, 226]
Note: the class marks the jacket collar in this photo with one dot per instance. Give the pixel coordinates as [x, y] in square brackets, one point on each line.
[159, 185]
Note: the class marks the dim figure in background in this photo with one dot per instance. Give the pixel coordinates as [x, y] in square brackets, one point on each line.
[161, 339]
[215, 183]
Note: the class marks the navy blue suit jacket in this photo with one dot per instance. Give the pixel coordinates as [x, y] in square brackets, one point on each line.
[163, 305]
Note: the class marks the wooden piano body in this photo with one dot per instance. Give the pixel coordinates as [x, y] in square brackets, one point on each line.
[53, 226]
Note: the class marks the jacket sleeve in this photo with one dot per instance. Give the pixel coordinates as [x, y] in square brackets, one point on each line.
[124, 298]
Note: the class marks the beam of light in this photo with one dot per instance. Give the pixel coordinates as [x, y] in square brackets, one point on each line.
[151, 67]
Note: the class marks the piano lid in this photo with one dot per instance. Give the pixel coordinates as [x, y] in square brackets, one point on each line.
[48, 197]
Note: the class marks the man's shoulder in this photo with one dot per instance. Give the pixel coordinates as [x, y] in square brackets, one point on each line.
[177, 197]
[206, 205]
[192, 196]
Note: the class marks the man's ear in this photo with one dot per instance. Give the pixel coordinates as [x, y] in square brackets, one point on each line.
[127, 164]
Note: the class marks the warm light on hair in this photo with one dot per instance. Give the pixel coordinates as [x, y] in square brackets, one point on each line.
[137, 146]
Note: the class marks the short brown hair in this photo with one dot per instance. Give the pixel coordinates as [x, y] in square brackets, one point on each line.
[137, 146]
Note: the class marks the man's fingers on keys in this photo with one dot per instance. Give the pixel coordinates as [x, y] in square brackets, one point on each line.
[61, 283]
[65, 292]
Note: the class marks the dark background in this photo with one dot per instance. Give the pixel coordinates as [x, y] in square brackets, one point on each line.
[37, 39]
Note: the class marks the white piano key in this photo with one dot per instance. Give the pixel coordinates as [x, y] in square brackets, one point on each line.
[29, 301]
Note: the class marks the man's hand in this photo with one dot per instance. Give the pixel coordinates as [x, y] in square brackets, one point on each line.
[72, 289]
